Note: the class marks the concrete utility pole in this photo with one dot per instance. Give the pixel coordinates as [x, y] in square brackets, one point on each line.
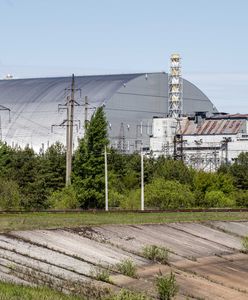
[142, 180]
[85, 112]
[106, 178]
[69, 131]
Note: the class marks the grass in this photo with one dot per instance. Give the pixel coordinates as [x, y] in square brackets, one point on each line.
[45, 220]
[127, 267]
[128, 295]
[156, 253]
[245, 244]
[9, 291]
[101, 275]
[166, 286]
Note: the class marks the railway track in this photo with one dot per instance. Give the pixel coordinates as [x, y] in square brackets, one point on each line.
[67, 211]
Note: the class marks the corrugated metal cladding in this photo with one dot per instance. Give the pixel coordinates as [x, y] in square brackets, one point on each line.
[218, 126]
[131, 101]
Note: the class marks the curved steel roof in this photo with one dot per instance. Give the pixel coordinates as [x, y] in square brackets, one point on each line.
[34, 103]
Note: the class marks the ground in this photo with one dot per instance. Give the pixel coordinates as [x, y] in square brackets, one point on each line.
[206, 257]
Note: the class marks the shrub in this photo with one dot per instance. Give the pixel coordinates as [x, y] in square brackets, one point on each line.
[241, 198]
[168, 194]
[166, 286]
[128, 295]
[217, 199]
[207, 182]
[115, 198]
[65, 198]
[127, 267]
[101, 275]
[156, 253]
[245, 243]
[170, 169]
[10, 197]
[132, 200]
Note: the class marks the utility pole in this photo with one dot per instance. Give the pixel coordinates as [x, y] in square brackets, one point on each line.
[69, 131]
[85, 112]
[142, 180]
[106, 178]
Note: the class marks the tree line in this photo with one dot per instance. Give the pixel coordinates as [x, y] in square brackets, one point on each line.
[32, 181]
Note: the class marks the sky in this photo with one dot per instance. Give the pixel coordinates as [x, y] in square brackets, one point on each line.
[42, 38]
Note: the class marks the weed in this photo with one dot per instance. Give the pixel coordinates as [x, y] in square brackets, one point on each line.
[127, 295]
[127, 267]
[166, 286]
[156, 253]
[245, 244]
[101, 275]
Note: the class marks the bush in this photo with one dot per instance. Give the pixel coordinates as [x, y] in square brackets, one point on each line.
[207, 182]
[218, 199]
[101, 275]
[166, 286]
[241, 198]
[132, 200]
[10, 197]
[127, 267]
[115, 198]
[170, 169]
[245, 243]
[65, 198]
[156, 253]
[168, 194]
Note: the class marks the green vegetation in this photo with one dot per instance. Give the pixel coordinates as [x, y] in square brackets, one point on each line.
[245, 243]
[10, 291]
[166, 286]
[156, 253]
[168, 194]
[127, 267]
[27, 221]
[88, 174]
[31, 181]
[128, 295]
[101, 275]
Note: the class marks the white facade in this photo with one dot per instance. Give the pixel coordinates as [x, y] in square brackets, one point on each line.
[163, 132]
[206, 145]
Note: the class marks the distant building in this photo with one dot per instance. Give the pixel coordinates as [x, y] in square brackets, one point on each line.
[206, 142]
[130, 102]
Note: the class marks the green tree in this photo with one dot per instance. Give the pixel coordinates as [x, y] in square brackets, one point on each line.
[10, 198]
[53, 166]
[170, 169]
[241, 198]
[205, 182]
[88, 167]
[239, 171]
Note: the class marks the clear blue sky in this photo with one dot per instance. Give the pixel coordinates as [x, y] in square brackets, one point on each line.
[58, 37]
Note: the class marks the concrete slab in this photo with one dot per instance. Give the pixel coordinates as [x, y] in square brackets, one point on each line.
[206, 260]
[237, 228]
[76, 245]
[45, 255]
[208, 233]
[134, 238]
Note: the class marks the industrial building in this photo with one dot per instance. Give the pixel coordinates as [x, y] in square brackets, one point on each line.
[205, 142]
[33, 111]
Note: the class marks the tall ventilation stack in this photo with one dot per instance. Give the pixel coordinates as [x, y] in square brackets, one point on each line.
[175, 87]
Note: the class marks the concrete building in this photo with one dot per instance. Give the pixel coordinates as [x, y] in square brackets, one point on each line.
[130, 100]
[206, 142]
